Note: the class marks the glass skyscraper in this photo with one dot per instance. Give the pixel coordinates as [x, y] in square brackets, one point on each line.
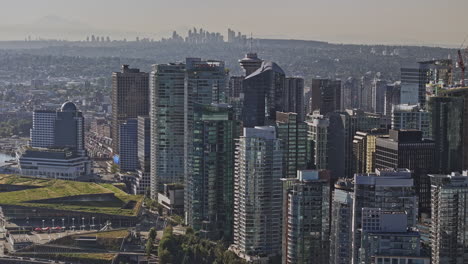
[209, 196]
[167, 125]
[263, 95]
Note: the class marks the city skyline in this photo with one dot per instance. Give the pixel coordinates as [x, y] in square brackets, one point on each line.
[233, 132]
[339, 21]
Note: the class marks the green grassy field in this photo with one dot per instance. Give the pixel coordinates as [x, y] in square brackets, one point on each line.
[51, 188]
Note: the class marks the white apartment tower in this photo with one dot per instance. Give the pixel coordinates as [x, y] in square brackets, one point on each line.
[258, 194]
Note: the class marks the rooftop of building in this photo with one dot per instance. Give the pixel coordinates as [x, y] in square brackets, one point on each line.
[265, 132]
[453, 90]
[407, 108]
[455, 178]
[385, 177]
[251, 57]
[126, 69]
[48, 153]
[346, 184]
[43, 193]
[68, 107]
[267, 66]
[405, 136]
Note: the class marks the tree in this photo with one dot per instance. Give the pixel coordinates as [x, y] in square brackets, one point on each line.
[164, 256]
[168, 231]
[152, 233]
[149, 246]
[114, 168]
[189, 231]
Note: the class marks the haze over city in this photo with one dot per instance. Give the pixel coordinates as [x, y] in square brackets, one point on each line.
[415, 22]
[233, 132]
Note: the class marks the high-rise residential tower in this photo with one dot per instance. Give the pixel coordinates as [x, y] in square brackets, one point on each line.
[205, 83]
[294, 97]
[461, 93]
[367, 92]
[308, 218]
[386, 238]
[341, 222]
[258, 194]
[130, 98]
[350, 94]
[447, 131]
[392, 97]
[378, 95]
[144, 155]
[167, 125]
[384, 190]
[449, 229]
[209, 196]
[293, 136]
[326, 96]
[317, 141]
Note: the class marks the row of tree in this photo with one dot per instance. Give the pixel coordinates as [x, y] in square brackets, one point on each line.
[19, 127]
[190, 248]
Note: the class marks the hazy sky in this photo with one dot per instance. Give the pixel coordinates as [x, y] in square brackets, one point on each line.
[430, 22]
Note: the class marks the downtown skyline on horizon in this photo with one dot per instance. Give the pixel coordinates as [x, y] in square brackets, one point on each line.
[359, 22]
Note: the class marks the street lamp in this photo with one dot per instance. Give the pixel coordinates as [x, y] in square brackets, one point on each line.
[83, 226]
[43, 223]
[53, 222]
[63, 223]
[73, 223]
[93, 222]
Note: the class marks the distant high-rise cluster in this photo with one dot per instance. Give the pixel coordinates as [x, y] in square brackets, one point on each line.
[233, 38]
[202, 36]
[94, 38]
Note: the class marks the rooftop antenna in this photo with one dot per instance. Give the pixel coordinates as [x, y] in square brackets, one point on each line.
[251, 41]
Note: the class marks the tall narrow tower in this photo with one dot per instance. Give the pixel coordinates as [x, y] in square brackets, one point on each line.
[257, 194]
[167, 125]
[129, 99]
[250, 63]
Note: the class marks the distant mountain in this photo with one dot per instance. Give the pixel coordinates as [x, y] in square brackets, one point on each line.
[56, 27]
[52, 22]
